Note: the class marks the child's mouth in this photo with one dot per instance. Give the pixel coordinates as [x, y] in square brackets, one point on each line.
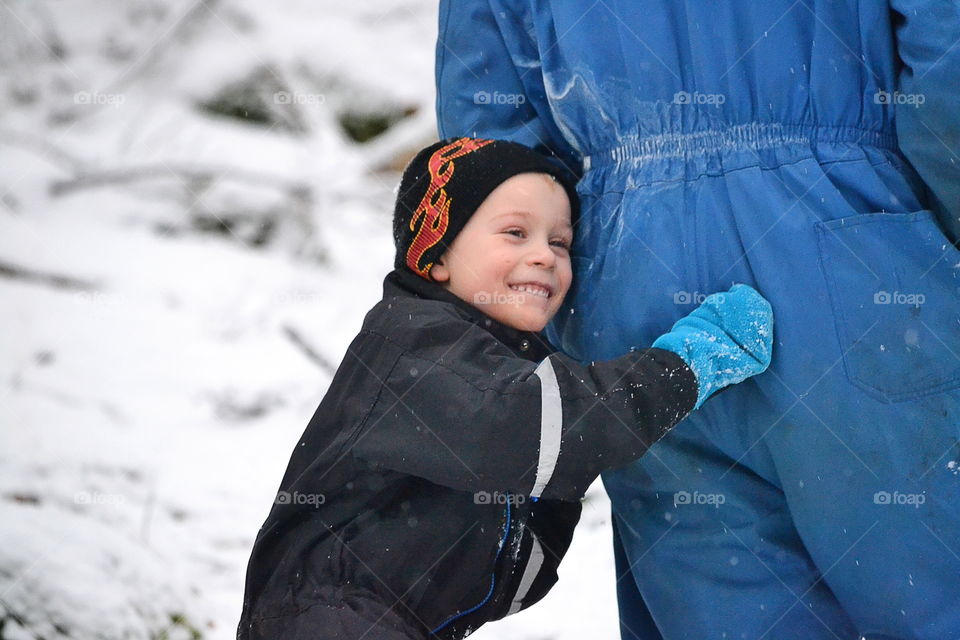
[532, 288]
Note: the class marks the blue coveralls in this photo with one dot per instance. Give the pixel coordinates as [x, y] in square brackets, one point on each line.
[729, 141]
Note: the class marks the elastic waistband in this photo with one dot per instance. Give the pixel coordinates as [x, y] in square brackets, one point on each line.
[752, 136]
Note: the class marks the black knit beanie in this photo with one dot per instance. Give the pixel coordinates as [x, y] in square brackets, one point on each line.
[446, 182]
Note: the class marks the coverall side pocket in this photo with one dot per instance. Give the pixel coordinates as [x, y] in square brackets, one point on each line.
[894, 285]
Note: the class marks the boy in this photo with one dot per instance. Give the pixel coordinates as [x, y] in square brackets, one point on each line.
[438, 484]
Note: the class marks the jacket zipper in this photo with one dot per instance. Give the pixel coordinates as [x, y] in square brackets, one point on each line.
[493, 576]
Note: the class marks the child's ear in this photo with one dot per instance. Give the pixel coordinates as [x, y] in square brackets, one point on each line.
[439, 272]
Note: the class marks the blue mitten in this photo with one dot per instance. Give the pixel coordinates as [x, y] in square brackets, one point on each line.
[725, 340]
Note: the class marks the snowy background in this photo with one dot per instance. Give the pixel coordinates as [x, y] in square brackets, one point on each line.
[195, 201]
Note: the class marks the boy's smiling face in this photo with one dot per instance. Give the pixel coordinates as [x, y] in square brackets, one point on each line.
[512, 259]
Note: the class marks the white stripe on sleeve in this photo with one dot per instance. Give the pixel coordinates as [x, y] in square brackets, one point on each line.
[529, 575]
[551, 422]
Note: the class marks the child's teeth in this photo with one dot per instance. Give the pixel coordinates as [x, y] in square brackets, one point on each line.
[532, 290]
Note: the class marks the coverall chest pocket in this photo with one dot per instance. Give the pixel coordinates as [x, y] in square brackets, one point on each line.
[894, 283]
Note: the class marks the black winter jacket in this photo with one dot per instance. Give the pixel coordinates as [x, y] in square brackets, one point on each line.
[438, 483]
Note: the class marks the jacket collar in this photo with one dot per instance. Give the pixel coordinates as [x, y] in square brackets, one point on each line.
[526, 344]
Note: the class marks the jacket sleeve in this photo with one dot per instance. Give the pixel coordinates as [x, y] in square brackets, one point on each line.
[928, 119]
[467, 414]
[489, 79]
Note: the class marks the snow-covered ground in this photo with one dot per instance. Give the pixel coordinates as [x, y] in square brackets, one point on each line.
[177, 285]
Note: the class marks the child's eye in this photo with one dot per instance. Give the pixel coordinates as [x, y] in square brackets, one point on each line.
[515, 232]
[561, 243]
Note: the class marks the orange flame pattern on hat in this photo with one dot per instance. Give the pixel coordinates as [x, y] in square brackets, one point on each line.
[434, 209]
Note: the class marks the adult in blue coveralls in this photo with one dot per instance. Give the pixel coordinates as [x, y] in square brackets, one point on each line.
[733, 141]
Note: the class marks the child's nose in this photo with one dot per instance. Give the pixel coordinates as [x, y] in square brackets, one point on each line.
[542, 253]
